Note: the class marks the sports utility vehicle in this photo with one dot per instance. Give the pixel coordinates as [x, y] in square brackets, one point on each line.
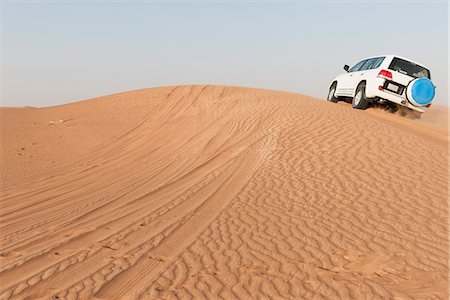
[386, 79]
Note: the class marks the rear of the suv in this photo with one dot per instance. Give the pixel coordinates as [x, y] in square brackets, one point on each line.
[394, 76]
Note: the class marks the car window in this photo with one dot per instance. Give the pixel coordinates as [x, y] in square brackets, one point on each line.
[408, 68]
[372, 63]
[366, 65]
[358, 66]
[377, 62]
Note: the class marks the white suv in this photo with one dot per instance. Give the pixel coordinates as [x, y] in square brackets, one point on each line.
[388, 79]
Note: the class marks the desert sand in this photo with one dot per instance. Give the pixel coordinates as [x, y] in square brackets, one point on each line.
[222, 192]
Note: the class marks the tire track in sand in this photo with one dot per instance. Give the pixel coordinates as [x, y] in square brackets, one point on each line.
[224, 192]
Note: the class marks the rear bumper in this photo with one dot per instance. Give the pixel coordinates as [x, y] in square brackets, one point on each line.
[391, 96]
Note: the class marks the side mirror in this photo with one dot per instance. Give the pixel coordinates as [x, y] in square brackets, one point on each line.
[346, 67]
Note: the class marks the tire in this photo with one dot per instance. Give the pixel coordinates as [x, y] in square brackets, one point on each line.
[360, 101]
[331, 93]
[420, 91]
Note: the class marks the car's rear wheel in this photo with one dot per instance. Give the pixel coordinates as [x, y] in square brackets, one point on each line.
[331, 93]
[360, 101]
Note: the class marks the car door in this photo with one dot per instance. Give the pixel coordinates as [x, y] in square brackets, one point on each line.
[346, 82]
[358, 75]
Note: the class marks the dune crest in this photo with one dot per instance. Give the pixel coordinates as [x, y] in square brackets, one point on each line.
[220, 192]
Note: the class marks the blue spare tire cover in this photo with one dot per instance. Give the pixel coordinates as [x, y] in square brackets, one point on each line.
[420, 91]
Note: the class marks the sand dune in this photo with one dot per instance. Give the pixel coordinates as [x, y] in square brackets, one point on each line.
[221, 192]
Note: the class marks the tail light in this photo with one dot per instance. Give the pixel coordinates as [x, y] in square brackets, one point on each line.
[428, 105]
[385, 74]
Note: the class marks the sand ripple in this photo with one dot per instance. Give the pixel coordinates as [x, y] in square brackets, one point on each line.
[222, 192]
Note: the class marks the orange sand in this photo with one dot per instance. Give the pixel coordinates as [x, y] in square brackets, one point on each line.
[221, 192]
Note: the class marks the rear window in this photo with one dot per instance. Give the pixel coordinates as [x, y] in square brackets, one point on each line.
[408, 68]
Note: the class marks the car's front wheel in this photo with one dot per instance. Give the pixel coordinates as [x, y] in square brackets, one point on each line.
[360, 101]
[331, 93]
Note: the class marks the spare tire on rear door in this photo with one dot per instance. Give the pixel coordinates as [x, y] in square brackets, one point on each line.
[420, 91]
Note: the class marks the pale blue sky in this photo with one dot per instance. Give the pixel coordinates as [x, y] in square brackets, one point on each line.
[57, 52]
